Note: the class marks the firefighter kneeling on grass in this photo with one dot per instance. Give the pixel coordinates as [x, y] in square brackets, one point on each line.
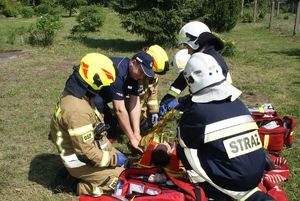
[77, 128]
[219, 142]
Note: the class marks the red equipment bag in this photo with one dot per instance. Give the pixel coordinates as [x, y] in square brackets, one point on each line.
[274, 190]
[280, 172]
[274, 131]
[270, 181]
[142, 184]
[271, 130]
[101, 198]
[290, 124]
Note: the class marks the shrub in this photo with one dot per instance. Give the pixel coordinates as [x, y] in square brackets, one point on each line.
[42, 9]
[50, 9]
[247, 17]
[90, 19]
[10, 11]
[222, 15]
[27, 11]
[78, 31]
[43, 32]
[229, 48]
[3, 4]
[13, 34]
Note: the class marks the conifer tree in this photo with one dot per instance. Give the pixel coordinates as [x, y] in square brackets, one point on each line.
[158, 21]
[72, 5]
[221, 15]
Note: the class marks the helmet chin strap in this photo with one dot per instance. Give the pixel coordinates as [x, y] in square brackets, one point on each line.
[92, 91]
[212, 85]
[200, 49]
[203, 48]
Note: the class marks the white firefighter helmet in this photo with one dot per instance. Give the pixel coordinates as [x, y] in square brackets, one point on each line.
[206, 80]
[189, 33]
[180, 59]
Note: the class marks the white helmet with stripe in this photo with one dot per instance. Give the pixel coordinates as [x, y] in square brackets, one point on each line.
[190, 32]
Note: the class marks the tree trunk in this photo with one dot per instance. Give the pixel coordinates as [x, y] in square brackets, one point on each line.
[278, 5]
[271, 14]
[242, 10]
[254, 10]
[296, 20]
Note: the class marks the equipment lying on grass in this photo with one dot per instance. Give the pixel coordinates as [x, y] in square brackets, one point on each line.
[155, 184]
[151, 184]
[274, 130]
[271, 178]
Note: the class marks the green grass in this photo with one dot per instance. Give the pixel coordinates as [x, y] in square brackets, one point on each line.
[266, 68]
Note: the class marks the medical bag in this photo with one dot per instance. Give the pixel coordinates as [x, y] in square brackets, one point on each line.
[275, 131]
[149, 184]
[290, 124]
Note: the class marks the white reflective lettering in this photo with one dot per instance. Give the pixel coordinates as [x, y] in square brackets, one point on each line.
[243, 144]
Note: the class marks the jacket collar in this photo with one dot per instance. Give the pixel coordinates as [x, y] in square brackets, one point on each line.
[76, 86]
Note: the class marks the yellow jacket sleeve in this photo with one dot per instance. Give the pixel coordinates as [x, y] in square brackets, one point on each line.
[81, 131]
[152, 102]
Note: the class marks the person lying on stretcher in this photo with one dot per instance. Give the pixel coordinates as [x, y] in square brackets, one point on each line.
[162, 155]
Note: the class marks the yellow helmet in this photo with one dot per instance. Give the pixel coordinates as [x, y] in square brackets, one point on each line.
[97, 70]
[160, 58]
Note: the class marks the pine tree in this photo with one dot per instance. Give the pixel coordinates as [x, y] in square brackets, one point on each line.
[221, 15]
[72, 5]
[158, 21]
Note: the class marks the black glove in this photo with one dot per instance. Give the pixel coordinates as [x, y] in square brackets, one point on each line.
[100, 129]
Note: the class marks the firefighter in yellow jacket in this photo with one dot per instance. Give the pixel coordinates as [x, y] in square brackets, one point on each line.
[77, 128]
[149, 86]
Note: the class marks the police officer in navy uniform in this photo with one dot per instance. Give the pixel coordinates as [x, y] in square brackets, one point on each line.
[219, 142]
[130, 72]
[197, 37]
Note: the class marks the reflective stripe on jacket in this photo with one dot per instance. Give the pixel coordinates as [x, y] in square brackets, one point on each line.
[72, 130]
[221, 143]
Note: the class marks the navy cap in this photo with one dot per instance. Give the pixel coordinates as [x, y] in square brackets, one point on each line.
[146, 62]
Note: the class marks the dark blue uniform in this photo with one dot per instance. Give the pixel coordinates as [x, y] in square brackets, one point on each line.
[180, 83]
[124, 85]
[220, 138]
